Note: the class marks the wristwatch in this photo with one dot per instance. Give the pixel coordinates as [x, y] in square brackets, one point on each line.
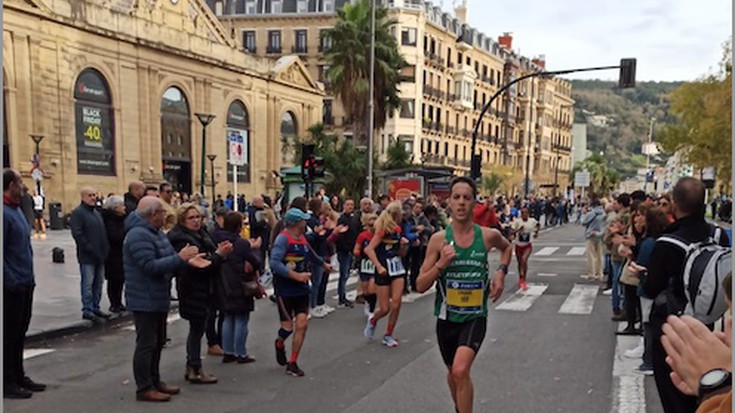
[503, 268]
[713, 381]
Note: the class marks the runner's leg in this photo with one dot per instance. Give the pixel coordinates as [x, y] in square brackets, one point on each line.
[383, 292]
[460, 375]
[526, 255]
[396, 292]
[302, 323]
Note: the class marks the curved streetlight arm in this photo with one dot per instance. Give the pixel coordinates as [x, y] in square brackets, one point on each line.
[475, 166]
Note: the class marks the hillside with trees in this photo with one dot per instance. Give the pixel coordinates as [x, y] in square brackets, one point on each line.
[618, 120]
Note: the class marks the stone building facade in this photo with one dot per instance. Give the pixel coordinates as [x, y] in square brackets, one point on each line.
[114, 86]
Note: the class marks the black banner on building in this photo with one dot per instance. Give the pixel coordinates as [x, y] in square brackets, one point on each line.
[94, 125]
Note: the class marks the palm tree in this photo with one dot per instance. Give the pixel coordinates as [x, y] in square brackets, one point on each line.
[602, 178]
[492, 182]
[396, 156]
[349, 63]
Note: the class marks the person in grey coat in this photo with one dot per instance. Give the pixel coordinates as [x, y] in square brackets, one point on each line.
[150, 261]
[594, 225]
[90, 235]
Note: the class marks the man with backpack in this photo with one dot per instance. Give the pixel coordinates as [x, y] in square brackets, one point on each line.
[668, 279]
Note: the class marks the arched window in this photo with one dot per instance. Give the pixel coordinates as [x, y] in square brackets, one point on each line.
[288, 138]
[95, 126]
[176, 139]
[238, 139]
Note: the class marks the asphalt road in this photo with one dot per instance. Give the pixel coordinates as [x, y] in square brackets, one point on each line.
[534, 358]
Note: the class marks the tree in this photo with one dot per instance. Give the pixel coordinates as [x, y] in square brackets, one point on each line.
[396, 156]
[343, 162]
[703, 120]
[491, 183]
[349, 63]
[602, 179]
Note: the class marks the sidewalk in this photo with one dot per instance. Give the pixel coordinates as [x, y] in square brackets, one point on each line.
[57, 305]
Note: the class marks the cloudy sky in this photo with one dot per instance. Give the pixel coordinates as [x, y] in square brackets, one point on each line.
[672, 39]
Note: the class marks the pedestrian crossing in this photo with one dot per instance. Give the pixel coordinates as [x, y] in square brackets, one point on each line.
[580, 300]
[558, 252]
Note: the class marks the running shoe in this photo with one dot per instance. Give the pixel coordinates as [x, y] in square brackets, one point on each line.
[522, 285]
[607, 292]
[345, 304]
[369, 329]
[328, 309]
[294, 370]
[389, 341]
[281, 353]
[366, 309]
[644, 369]
[635, 353]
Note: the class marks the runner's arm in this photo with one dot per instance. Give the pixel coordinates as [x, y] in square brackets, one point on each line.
[370, 251]
[430, 271]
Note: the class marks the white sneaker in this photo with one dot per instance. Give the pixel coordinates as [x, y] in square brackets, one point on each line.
[318, 312]
[607, 292]
[635, 353]
[366, 309]
[328, 309]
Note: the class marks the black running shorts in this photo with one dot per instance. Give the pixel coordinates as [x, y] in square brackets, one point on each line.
[386, 281]
[289, 307]
[453, 335]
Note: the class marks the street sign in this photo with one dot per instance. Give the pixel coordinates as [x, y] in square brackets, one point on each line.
[237, 151]
[582, 179]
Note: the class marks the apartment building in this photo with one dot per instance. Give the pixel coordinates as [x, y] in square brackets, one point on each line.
[454, 70]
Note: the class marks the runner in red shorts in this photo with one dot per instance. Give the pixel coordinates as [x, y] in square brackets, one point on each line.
[522, 229]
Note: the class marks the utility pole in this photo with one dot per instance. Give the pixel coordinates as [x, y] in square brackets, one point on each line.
[371, 104]
[648, 154]
[526, 184]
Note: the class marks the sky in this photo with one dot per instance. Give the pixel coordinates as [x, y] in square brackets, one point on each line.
[672, 39]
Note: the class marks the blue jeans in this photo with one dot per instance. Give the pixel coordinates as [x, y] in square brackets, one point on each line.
[345, 263]
[235, 334]
[91, 285]
[617, 271]
[317, 272]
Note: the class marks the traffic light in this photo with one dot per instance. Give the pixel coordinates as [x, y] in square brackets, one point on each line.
[307, 158]
[317, 167]
[627, 73]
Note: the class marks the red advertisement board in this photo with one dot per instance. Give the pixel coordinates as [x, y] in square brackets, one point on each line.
[402, 188]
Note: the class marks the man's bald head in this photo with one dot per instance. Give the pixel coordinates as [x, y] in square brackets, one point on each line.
[258, 201]
[151, 209]
[137, 189]
[89, 196]
[688, 197]
[366, 205]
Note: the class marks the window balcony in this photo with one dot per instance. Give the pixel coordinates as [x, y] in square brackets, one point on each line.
[299, 49]
[252, 50]
[273, 50]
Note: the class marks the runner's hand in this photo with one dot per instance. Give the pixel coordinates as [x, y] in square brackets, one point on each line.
[328, 267]
[497, 285]
[446, 255]
[381, 270]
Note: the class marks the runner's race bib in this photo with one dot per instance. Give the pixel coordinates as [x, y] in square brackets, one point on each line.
[465, 296]
[367, 267]
[524, 237]
[395, 267]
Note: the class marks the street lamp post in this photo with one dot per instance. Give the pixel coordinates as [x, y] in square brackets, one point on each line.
[37, 159]
[211, 158]
[371, 102]
[527, 183]
[205, 119]
[627, 79]
[556, 170]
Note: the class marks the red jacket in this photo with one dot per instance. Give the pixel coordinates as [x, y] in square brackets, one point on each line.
[485, 216]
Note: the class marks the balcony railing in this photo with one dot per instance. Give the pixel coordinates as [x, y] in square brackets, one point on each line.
[328, 120]
[426, 123]
[299, 49]
[451, 130]
[465, 133]
[252, 50]
[273, 49]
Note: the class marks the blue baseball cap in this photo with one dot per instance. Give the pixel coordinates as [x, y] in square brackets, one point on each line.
[295, 215]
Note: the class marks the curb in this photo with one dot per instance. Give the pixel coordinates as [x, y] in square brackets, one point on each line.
[83, 327]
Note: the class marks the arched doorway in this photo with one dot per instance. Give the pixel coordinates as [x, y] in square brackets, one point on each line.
[238, 129]
[176, 139]
[288, 139]
[95, 127]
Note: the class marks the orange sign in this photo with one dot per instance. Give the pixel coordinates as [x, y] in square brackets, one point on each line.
[402, 188]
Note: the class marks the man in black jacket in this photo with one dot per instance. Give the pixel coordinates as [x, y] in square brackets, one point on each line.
[665, 281]
[136, 190]
[346, 243]
[90, 235]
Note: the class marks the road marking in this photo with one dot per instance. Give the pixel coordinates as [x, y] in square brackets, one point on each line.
[546, 251]
[546, 274]
[35, 352]
[523, 300]
[629, 395]
[581, 300]
[576, 251]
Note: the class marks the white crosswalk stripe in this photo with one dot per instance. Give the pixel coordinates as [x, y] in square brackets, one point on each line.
[581, 300]
[523, 300]
[35, 352]
[545, 251]
[576, 251]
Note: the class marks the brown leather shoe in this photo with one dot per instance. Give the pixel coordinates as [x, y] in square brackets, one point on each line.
[168, 389]
[195, 375]
[152, 396]
[215, 350]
